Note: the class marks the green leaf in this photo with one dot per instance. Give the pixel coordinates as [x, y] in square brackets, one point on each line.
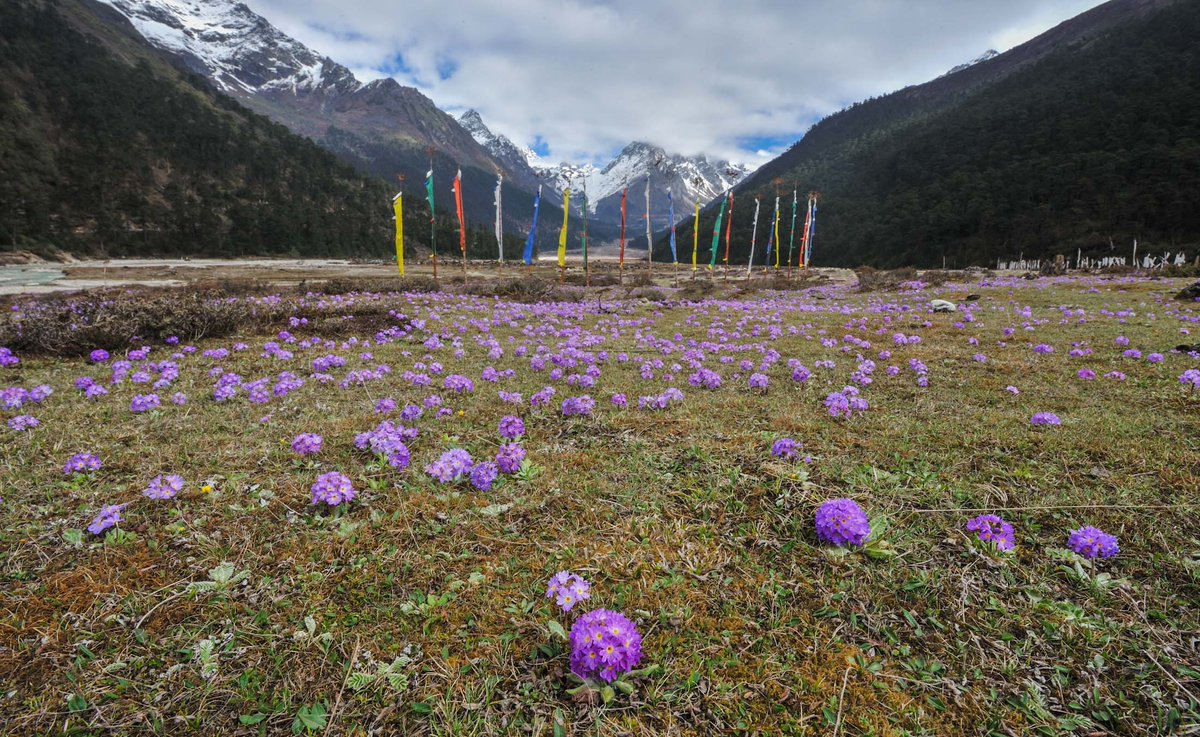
[608, 694]
[309, 718]
[252, 718]
[359, 681]
[556, 629]
[624, 687]
[76, 703]
[422, 708]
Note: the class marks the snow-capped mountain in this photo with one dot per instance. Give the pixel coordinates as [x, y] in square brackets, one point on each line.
[381, 125]
[692, 179]
[985, 56]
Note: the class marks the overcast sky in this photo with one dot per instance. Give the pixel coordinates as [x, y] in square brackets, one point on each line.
[578, 79]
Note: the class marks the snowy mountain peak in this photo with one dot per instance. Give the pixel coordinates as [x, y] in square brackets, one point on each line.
[985, 56]
[235, 47]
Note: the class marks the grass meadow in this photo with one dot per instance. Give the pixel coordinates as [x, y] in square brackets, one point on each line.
[238, 607]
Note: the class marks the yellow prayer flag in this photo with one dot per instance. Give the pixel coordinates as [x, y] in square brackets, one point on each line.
[695, 235]
[562, 234]
[398, 208]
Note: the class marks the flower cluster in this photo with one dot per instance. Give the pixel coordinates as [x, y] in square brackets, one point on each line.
[163, 487]
[451, 466]
[991, 528]
[511, 427]
[81, 463]
[108, 517]
[842, 522]
[567, 589]
[785, 448]
[1092, 542]
[307, 443]
[582, 405]
[332, 488]
[604, 644]
[509, 457]
[23, 423]
[1044, 418]
[845, 403]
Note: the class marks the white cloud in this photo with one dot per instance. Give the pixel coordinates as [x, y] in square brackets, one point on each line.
[733, 79]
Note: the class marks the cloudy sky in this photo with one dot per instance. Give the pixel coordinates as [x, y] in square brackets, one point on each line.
[578, 79]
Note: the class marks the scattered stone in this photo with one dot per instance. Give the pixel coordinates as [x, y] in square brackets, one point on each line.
[1189, 292]
[941, 305]
[973, 297]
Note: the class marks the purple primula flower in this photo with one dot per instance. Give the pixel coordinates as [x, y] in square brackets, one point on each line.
[1045, 418]
[509, 457]
[1043, 349]
[452, 465]
[108, 517]
[144, 402]
[332, 488]
[1086, 374]
[1191, 376]
[98, 356]
[992, 529]
[23, 423]
[842, 522]
[81, 463]
[483, 474]
[307, 443]
[163, 487]
[1092, 542]
[95, 391]
[179, 399]
[619, 400]
[582, 405]
[604, 645]
[758, 381]
[511, 427]
[846, 402]
[411, 412]
[39, 393]
[1012, 390]
[785, 448]
[567, 589]
[398, 456]
[385, 406]
[1155, 358]
[458, 384]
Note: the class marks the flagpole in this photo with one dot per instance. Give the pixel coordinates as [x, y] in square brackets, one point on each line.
[753, 239]
[728, 230]
[499, 222]
[649, 240]
[792, 237]
[621, 257]
[432, 219]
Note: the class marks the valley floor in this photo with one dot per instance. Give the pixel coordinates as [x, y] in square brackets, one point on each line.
[238, 607]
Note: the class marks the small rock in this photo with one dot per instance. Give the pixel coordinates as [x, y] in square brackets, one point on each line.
[973, 297]
[941, 305]
[1189, 292]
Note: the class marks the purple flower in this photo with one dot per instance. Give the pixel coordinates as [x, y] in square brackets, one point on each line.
[95, 391]
[1155, 358]
[163, 487]
[451, 466]
[1092, 542]
[398, 457]
[109, 516]
[307, 443]
[23, 423]
[706, 378]
[1191, 376]
[604, 644]
[785, 448]
[144, 402]
[619, 400]
[842, 522]
[980, 358]
[509, 457]
[1086, 374]
[582, 405]
[567, 589]
[81, 463]
[179, 399]
[39, 393]
[1012, 390]
[1045, 418]
[411, 412]
[993, 529]
[845, 403]
[385, 406]
[483, 474]
[511, 427]
[1043, 349]
[332, 488]
[758, 381]
[99, 356]
[458, 384]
